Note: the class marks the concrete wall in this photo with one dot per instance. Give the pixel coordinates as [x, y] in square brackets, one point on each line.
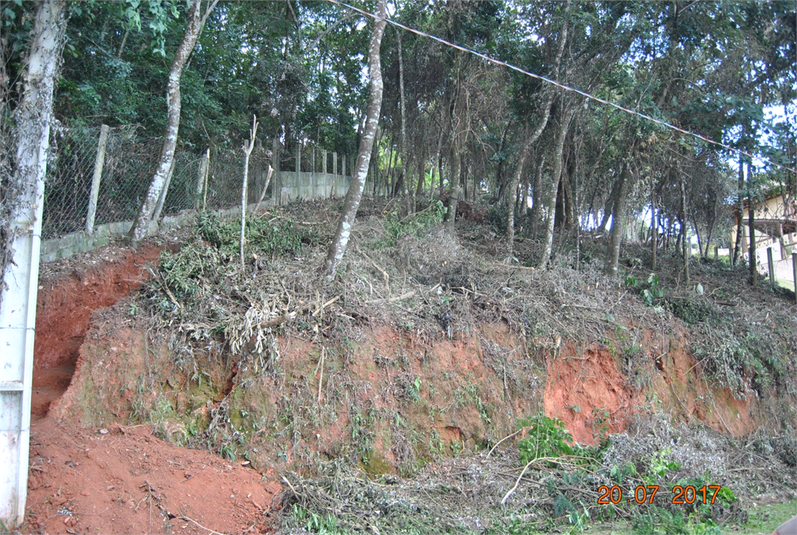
[295, 186]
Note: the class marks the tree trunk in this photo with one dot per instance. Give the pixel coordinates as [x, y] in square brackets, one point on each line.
[23, 165]
[685, 235]
[244, 188]
[737, 246]
[403, 108]
[533, 220]
[618, 222]
[654, 229]
[421, 176]
[751, 224]
[547, 242]
[194, 24]
[353, 196]
[512, 193]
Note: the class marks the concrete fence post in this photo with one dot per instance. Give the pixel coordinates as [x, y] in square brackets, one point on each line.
[771, 266]
[99, 162]
[202, 180]
[794, 273]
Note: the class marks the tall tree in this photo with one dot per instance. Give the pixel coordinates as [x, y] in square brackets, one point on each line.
[196, 20]
[352, 202]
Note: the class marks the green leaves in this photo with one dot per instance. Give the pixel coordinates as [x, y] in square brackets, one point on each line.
[547, 437]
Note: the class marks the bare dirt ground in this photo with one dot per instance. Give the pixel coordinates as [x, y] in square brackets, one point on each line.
[123, 480]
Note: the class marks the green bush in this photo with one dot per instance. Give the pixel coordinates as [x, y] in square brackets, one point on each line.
[547, 438]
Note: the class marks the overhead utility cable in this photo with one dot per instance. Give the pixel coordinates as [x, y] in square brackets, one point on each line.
[560, 85]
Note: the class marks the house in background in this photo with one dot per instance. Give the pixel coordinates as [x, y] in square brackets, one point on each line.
[775, 221]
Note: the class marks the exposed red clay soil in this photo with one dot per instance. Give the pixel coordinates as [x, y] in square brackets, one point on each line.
[579, 382]
[63, 313]
[120, 480]
[90, 474]
[123, 480]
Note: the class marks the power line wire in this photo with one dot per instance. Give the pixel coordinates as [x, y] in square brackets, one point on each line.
[560, 85]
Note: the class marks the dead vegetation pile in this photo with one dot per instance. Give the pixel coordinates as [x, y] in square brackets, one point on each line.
[500, 492]
[412, 273]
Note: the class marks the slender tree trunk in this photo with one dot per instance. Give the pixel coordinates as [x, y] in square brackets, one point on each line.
[697, 234]
[403, 108]
[654, 229]
[421, 176]
[687, 246]
[244, 188]
[751, 224]
[194, 24]
[547, 243]
[353, 196]
[618, 222]
[499, 169]
[570, 199]
[510, 204]
[737, 246]
[512, 193]
[536, 192]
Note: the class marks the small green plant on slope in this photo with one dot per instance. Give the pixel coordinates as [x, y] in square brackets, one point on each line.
[650, 290]
[396, 228]
[547, 438]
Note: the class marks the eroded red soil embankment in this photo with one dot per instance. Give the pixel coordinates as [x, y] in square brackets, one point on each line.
[405, 396]
[63, 314]
[120, 479]
[588, 392]
[585, 387]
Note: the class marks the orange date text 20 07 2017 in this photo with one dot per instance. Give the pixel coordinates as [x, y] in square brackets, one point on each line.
[646, 493]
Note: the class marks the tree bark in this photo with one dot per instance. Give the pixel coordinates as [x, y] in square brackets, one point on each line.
[194, 24]
[404, 156]
[618, 222]
[353, 196]
[512, 193]
[550, 203]
[751, 223]
[244, 188]
[737, 246]
[654, 229]
[421, 175]
[22, 179]
[687, 246]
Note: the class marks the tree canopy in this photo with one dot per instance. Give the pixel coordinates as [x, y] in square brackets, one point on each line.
[725, 71]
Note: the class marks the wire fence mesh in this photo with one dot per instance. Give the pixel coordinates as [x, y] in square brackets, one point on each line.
[129, 162]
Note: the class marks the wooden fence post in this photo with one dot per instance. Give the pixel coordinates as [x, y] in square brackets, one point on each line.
[99, 162]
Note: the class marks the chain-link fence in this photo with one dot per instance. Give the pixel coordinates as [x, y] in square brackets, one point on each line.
[127, 164]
